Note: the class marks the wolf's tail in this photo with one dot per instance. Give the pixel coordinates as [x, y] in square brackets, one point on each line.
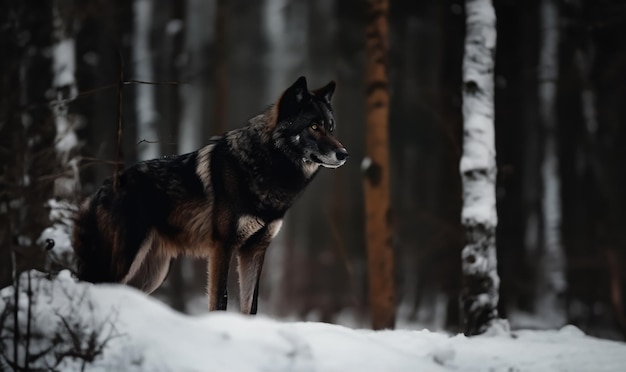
[93, 258]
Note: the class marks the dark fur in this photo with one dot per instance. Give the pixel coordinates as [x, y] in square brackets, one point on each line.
[227, 198]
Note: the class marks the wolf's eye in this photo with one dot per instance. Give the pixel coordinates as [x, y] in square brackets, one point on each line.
[314, 127]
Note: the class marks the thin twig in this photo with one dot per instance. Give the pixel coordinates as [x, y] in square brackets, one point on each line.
[152, 142]
[118, 152]
[341, 251]
[29, 315]
[94, 161]
[612, 260]
[133, 81]
[146, 141]
[91, 91]
[68, 172]
[16, 296]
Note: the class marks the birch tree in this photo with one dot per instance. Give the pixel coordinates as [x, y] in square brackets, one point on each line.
[65, 89]
[66, 144]
[479, 295]
[550, 281]
[376, 168]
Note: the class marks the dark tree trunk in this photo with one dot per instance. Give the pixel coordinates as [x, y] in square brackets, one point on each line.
[27, 135]
[551, 282]
[376, 168]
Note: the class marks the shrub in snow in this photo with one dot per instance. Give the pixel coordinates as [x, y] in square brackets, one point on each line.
[37, 333]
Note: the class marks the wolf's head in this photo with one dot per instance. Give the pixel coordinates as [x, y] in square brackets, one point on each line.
[305, 126]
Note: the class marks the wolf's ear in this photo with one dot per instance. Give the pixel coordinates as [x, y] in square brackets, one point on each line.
[294, 96]
[327, 91]
[298, 91]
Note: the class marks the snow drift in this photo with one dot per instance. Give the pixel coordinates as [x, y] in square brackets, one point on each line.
[138, 333]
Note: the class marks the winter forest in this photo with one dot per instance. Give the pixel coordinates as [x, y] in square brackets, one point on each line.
[484, 180]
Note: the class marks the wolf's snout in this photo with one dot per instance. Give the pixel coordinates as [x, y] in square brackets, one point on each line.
[342, 154]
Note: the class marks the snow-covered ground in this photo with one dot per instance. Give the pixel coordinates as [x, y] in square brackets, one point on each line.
[146, 335]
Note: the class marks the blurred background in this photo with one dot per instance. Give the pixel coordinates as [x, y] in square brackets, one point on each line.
[173, 73]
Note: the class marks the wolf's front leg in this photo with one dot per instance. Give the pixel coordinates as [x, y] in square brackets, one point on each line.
[249, 265]
[217, 278]
[250, 259]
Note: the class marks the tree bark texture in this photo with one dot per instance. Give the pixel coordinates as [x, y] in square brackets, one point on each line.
[551, 282]
[65, 87]
[376, 168]
[479, 295]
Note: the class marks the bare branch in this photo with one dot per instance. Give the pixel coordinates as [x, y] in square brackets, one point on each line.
[120, 107]
[175, 83]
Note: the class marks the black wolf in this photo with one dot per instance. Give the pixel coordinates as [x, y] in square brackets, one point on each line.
[229, 197]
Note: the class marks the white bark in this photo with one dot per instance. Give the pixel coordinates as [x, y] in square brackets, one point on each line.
[145, 107]
[551, 277]
[478, 170]
[65, 89]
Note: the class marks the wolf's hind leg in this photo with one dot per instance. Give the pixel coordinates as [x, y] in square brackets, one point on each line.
[151, 273]
[149, 267]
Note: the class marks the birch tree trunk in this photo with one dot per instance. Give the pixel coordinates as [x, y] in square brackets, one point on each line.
[145, 106]
[66, 145]
[550, 276]
[376, 168]
[67, 185]
[479, 295]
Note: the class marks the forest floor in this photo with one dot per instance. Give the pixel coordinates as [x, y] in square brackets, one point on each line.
[119, 328]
